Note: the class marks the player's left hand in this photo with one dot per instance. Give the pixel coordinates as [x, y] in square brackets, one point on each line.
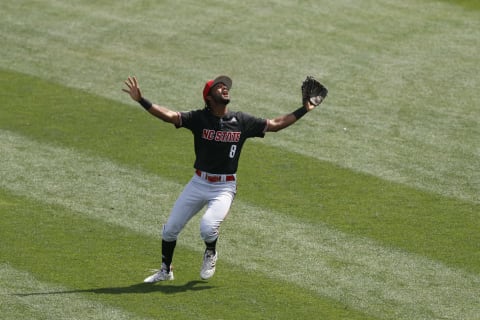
[133, 88]
[313, 92]
[308, 105]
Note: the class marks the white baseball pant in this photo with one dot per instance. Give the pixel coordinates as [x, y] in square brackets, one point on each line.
[198, 193]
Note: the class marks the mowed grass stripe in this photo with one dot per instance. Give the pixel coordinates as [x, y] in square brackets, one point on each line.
[106, 263]
[22, 296]
[356, 271]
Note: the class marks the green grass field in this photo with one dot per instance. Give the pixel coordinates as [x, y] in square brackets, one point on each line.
[367, 208]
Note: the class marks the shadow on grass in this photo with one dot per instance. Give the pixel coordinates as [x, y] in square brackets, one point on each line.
[136, 288]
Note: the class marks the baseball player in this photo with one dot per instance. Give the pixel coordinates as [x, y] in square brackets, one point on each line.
[219, 135]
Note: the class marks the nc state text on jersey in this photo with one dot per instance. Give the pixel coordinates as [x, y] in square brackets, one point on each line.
[221, 136]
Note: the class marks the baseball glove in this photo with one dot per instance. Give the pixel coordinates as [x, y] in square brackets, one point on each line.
[313, 91]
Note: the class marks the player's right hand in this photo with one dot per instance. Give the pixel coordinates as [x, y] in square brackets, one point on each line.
[133, 88]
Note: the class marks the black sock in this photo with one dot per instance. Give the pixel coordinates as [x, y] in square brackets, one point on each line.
[167, 252]
[211, 245]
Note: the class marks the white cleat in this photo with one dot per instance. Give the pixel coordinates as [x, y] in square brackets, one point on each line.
[209, 262]
[160, 275]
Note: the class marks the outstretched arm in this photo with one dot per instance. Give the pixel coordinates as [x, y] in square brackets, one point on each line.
[284, 121]
[158, 111]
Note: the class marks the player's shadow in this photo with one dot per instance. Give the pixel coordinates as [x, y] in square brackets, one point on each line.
[136, 288]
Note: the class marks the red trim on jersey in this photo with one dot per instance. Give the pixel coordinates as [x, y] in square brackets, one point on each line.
[179, 120]
[266, 126]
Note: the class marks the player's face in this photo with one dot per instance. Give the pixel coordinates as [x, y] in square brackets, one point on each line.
[220, 94]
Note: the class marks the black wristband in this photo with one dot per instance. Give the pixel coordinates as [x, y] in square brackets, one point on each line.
[300, 112]
[145, 103]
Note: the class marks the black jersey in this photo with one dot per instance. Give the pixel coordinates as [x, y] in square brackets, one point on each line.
[219, 141]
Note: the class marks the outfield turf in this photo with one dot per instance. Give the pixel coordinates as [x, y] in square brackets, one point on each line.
[367, 208]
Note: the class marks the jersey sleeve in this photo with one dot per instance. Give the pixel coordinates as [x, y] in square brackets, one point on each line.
[186, 119]
[253, 126]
